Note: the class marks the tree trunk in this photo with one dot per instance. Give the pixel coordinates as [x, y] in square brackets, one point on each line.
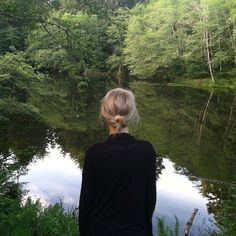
[190, 222]
[206, 36]
[220, 58]
[120, 76]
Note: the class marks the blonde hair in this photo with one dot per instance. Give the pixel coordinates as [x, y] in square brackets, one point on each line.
[118, 108]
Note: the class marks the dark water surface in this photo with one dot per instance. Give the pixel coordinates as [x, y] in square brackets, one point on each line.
[193, 130]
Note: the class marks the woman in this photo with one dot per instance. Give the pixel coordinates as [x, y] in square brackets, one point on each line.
[118, 193]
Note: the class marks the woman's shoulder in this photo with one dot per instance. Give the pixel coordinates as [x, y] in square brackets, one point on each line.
[144, 143]
[147, 145]
[108, 144]
[94, 147]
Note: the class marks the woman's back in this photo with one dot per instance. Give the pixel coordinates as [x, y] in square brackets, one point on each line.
[118, 192]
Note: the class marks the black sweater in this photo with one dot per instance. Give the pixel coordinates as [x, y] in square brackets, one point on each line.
[118, 192]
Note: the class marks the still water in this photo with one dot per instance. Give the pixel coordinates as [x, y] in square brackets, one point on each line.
[58, 178]
[193, 130]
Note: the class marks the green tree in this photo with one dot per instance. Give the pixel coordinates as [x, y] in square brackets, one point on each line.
[190, 37]
[106, 8]
[116, 35]
[16, 75]
[17, 18]
[152, 42]
[71, 6]
[70, 43]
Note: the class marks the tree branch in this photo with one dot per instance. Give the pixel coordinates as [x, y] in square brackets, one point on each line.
[190, 222]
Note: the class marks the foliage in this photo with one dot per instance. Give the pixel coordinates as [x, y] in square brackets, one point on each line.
[228, 217]
[11, 108]
[164, 230]
[31, 218]
[69, 43]
[104, 9]
[116, 35]
[150, 42]
[187, 37]
[16, 75]
[17, 18]
[71, 6]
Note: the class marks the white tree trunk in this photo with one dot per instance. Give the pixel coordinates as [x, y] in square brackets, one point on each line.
[208, 54]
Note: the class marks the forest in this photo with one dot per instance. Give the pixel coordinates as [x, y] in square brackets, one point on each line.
[79, 40]
[57, 59]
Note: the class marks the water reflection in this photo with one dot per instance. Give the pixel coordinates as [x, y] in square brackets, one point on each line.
[177, 195]
[55, 177]
[196, 129]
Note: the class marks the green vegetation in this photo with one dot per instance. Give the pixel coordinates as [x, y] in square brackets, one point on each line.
[59, 57]
[162, 40]
[30, 218]
[165, 230]
[220, 84]
[67, 43]
[182, 38]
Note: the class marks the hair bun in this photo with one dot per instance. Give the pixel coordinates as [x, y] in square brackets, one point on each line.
[119, 119]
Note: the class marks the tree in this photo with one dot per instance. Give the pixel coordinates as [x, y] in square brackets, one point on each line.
[16, 74]
[71, 6]
[196, 38]
[105, 8]
[17, 18]
[116, 35]
[152, 42]
[70, 43]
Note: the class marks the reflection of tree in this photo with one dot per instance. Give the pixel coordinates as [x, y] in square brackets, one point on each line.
[221, 201]
[159, 166]
[202, 119]
[69, 110]
[168, 120]
[76, 143]
[19, 145]
[21, 142]
[70, 104]
[230, 123]
[218, 193]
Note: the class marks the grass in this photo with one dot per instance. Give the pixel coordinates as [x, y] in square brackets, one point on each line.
[163, 230]
[32, 219]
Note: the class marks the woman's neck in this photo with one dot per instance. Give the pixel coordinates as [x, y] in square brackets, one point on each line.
[123, 130]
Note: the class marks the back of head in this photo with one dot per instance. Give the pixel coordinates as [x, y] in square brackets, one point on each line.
[118, 108]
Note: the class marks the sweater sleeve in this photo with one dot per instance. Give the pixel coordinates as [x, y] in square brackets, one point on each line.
[151, 186]
[86, 194]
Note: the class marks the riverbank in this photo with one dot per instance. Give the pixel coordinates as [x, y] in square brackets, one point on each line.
[206, 83]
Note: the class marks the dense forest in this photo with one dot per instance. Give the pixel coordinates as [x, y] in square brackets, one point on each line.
[80, 40]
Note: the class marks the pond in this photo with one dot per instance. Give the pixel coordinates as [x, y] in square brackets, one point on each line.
[192, 129]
